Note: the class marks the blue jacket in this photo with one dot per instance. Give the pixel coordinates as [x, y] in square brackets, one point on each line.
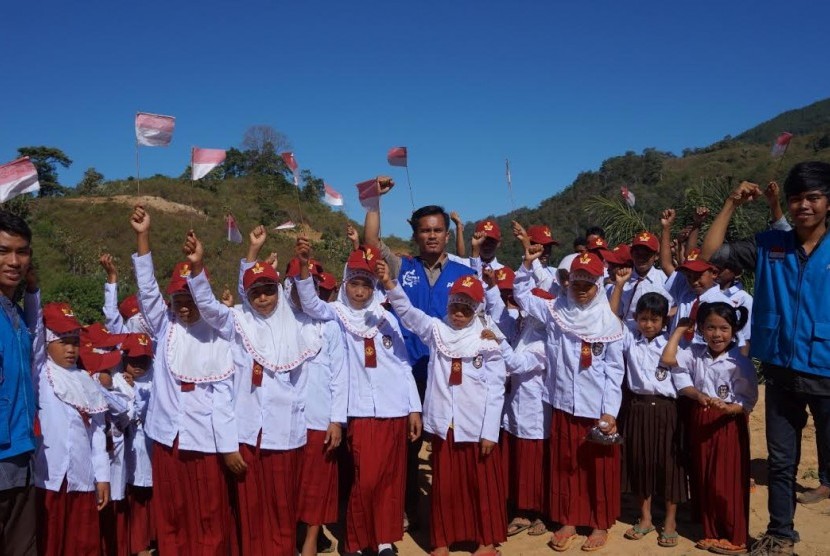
[791, 315]
[430, 299]
[17, 397]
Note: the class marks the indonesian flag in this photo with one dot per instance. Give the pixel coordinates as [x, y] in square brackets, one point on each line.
[288, 225]
[781, 144]
[396, 156]
[369, 194]
[234, 235]
[203, 161]
[628, 196]
[152, 130]
[291, 162]
[16, 178]
[331, 196]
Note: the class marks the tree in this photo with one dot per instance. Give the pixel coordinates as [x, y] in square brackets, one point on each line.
[90, 183]
[313, 188]
[236, 163]
[264, 138]
[45, 159]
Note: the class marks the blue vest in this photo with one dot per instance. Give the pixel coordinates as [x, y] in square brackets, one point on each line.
[430, 299]
[17, 397]
[791, 311]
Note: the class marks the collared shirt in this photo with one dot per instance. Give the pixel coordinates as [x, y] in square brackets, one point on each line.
[138, 446]
[584, 392]
[385, 391]
[113, 320]
[474, 407]
[327, 391]
[684, 297]
[506, 322]
[545, 277]
[730, 376]
[477, 264]
[739, 297]
[202, 418]
[642, 363]
[635, 288]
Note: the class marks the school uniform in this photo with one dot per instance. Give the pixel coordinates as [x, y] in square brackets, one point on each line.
[653, 452]
[71, 456]
[584, 349]
[720, 442]
[739, 297]
[654, 281]
[269, 395]
[687, 302]
[462, 405]
[190, 419]
[526, 420]
[382, 394]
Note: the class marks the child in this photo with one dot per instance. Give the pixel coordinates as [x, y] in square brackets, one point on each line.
[653, 449]
[729, 280]
[72, 469]
[383, 401]
[725, 387]
[584, 348]
[190, 413]
[462, 411]
[123, 317]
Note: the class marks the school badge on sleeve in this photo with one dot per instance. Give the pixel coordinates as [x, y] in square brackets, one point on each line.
[661, 373]
[455, 371]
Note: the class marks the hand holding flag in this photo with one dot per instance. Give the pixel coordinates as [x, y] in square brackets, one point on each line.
[369, 191]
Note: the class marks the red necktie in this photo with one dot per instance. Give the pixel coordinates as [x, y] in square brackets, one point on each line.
[690, 333]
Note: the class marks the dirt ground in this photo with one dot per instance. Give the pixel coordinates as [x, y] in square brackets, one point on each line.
[812, 522]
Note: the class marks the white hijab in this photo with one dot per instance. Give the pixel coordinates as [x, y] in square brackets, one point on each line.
[466, 342]
[592, 322]
[75, 387]
[197, 353]
[360, 322]
[275, 341]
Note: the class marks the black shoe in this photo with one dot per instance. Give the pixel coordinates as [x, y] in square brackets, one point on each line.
[386, 552]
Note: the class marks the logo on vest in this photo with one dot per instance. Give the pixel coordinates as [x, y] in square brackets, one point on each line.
[409, 279]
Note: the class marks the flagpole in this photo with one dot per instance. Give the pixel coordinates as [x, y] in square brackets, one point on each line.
[509, 184]
[299, 205]
[409, 184]
[137, 170]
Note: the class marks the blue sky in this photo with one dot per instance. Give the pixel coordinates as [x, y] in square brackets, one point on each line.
[557, 87]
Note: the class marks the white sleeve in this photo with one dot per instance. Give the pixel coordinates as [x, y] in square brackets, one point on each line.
[222, 417]
[412, 318]
[216, 315]
[529, 303]
[495, 375]
[112, 318]
[313, 306]
[150, 299]
[681, 375]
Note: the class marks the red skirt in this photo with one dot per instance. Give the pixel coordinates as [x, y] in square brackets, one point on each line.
[528, 470]
[317, 502]
[468, 494]
[140, 518]
[190, 502]
[113, 521]
[584, 475]
[720, 465]
[67, 523]
[267, 495]
[374, 514]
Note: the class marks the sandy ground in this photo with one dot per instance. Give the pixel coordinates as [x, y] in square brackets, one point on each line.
[156, 203]
[812, 522]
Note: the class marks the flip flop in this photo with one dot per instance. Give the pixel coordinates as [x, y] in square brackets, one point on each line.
[561, 542]
[596, 547]
[634, 533]
[667, 540]
[705, 544]
[440, 552]
[537, 528]
[518, 525]
[723, 546]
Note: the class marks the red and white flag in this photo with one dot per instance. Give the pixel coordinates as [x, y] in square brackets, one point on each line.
[153, 130]
[291, 162]
[288, 225]
[331, 196]
[234, 235]
[628, 196]
[369, 194]
[781, 144]
[396, 156]
[203, 161]
[16, 178]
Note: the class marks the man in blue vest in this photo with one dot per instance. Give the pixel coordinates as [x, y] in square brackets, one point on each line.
[790, 331]
[17, 400]
[426, 278]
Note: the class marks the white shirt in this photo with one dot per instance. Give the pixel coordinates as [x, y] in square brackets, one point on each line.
[730, 377]
[202, 419]
[739, 297]
[327, 391]
[684, 297]
[635, 288]
[642, 364]
[474, 407]
[113, 320]
[139, 447]
[545, 277]
[500, 314]
[385, 391]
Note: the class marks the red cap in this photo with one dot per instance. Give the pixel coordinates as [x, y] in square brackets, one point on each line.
[327, 281]
[619, 255]
[260, 272]
[694, 263]
[129, 307]
[490, 228]
[99, 362]
[597, 244]
[293, 268]
[588, 262]
[541, 234]
[469, 286]
[646, 239]
[504, 278]
[136, 345]
[96, 335]
[366, 259]
[178, 279]
[543, 294]
[59, 318]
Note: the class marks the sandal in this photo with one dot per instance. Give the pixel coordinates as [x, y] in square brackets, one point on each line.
[444, 551]
[537, 528]
[586, 548]
[723, 546]
[561, 542]
[706, 544]
[518, 525]
[634, 533]
[667, 540]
